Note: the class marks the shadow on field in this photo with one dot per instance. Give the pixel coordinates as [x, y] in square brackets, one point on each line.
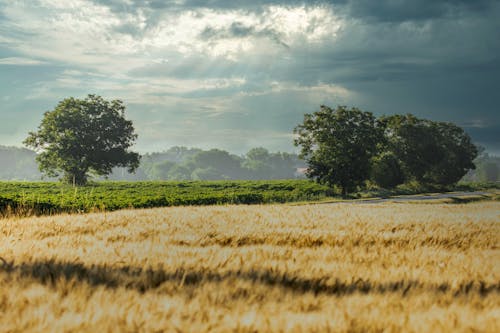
[52, 272]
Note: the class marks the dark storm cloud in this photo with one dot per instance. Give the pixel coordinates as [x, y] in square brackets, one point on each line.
[399, 11]
[438, 59]
[488, 137]
[383, 10]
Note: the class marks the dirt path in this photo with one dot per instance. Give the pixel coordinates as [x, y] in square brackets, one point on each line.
[424, 197]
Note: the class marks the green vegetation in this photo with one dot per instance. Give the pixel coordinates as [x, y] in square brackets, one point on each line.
[52, 197]
[349, 148]
[28, 198]
[338, 145]
[175, 163]
[429, 152]
[181, 163]
[414, 187]
[84, 136]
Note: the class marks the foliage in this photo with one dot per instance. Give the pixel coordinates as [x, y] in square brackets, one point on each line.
[161, 170]
[181, 163]
[209, 173]
[431, 152]
[82, 136]
[176, 163]
[261, 164]
[387, 171]
[222, 164]
[45, 197]
[338, 145]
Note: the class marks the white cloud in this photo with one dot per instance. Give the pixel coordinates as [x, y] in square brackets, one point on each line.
[20, 61]
[162, 92]
[317, 91]
[86, 34]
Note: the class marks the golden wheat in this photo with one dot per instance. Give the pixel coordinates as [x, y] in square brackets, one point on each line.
[281, 268]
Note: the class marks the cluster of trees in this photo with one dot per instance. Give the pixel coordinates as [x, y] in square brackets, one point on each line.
[176, 163]
[342, 147]
[181, 163]
[346, 147]
[91, 137]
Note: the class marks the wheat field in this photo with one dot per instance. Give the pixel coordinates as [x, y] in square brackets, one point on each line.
[281, 268]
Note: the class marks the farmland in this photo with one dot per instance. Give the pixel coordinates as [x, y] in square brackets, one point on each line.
[51, 197]
[41, 198]
[282, 268]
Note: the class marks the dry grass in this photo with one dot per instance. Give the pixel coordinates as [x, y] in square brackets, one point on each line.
[318, 268]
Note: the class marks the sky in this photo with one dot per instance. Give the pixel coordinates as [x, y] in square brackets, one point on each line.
[235, 74]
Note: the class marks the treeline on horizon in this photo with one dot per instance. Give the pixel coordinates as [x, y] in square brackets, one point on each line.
[182, 163]
[176, 163]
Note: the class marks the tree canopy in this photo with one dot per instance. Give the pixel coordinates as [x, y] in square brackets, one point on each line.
[83, 136]
[338, 145]
[431, 152]
[346, 147]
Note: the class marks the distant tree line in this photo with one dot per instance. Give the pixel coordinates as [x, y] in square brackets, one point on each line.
[487, 169]
[18, 164]
[347, 147]
[90, 137]
[342, 147]
[182, 163]
[258, 163]
[176, 163]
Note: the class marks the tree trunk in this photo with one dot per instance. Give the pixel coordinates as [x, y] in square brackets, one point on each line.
[344, 191]
[76, 177]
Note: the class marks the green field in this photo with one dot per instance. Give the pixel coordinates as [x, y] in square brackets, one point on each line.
[53, 197]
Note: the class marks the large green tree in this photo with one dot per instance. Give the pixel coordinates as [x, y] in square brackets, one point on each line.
[431, 152]
[338, 145]
[84, 136]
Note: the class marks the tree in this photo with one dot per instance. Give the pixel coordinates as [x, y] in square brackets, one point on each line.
[256, 163]
[386, 170]
[338, 145]
[227, 165]
[206, 174]
[83, 136]
[430, 152]
[458, 154]
[160, 170]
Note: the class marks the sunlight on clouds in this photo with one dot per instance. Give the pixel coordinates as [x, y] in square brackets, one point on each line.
[231, 33]
[311, 24]
[98, 50]
[104, 47]
[73, 32]
[83, 33]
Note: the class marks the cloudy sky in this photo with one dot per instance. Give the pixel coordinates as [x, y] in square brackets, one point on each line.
[236, 74]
